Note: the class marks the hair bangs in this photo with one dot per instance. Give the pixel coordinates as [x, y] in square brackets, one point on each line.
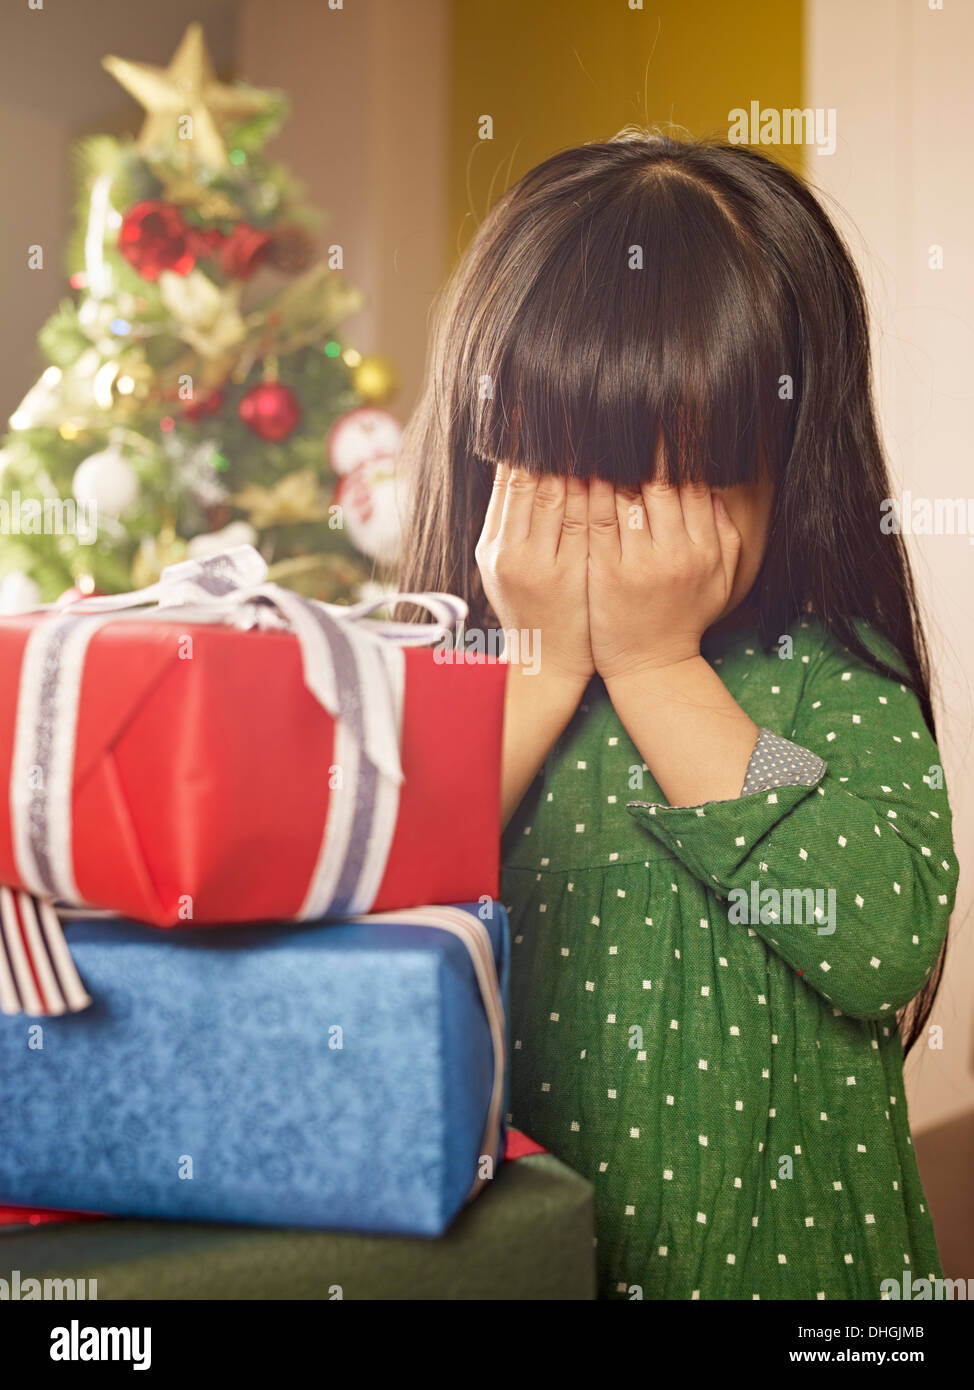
[665, 359]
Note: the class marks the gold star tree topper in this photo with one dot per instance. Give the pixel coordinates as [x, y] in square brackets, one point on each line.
[187, 106]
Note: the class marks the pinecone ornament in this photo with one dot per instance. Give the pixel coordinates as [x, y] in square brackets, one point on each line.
[292, 248]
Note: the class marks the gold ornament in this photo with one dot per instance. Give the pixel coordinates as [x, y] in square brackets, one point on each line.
[187, 191]
[207, 315]
[188, 87]
[154, 554]
[135, 379]
[375, 378]
[295, 497]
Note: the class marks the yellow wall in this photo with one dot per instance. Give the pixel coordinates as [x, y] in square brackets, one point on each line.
[554, 73]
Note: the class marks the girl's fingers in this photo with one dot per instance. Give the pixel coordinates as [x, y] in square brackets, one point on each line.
[603, 522]
[548, 513]
[495, 507]
[729, 538]
[574, 523]
[665, 514]
[518, 506]
[698, 514]
[633, 521]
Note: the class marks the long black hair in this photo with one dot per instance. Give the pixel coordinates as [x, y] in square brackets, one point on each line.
[692, 293]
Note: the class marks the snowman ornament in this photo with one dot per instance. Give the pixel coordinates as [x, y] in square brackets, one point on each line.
[363, 449]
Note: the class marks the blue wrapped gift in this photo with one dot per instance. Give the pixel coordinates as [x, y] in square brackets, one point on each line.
[347, 1075]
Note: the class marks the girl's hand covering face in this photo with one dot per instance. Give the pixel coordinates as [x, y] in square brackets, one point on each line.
[533, 560]
[661, 564]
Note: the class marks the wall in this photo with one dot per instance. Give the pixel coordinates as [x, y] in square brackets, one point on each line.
[899, 178]
[554, 73]
[367, 135]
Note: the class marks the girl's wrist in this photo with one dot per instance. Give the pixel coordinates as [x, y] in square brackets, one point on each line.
[546, 681]
[538, 706]
[647, 669]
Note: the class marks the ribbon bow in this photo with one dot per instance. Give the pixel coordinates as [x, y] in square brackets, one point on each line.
[354, 669]
[341, 656]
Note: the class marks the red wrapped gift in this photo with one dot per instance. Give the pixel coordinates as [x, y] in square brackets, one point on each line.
[175, 769]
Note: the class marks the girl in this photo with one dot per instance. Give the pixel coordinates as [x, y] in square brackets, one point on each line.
[648, 436]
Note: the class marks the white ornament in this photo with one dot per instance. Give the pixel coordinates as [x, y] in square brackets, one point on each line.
[365, 435]
[95, 317]
[371, 590]
[62, 396]
[372, 499]
[237, 533]
[18, 594]
[363, 449]
[108, 480]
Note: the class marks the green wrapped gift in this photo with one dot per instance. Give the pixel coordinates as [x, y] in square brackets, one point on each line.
[529, 1236]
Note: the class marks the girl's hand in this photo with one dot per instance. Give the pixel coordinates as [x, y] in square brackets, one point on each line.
[532, 556]
[662, 562]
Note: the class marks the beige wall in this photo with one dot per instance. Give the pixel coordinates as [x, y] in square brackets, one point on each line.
[898, 74]
[368, 86]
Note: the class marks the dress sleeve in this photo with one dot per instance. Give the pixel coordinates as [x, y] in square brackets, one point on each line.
[777, 762]
[849, 873]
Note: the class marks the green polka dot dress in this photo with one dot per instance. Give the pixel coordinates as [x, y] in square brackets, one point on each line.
[704, 998]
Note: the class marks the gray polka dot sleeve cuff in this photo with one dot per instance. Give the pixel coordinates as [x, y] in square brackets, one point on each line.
[777, 762]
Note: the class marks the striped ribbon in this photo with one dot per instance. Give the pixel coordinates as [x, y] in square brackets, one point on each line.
[356, 672]
[37, 974]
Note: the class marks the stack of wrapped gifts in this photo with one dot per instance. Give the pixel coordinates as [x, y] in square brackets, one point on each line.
[253, 973]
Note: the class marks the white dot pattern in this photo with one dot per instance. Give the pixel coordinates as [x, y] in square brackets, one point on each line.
[736, 1112]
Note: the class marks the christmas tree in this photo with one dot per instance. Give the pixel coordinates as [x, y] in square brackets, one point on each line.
[196, 373]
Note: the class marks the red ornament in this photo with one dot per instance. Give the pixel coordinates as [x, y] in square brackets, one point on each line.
[206, 244]
[271, 411]
[244, 251]
[209, 405]
[154, 238]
